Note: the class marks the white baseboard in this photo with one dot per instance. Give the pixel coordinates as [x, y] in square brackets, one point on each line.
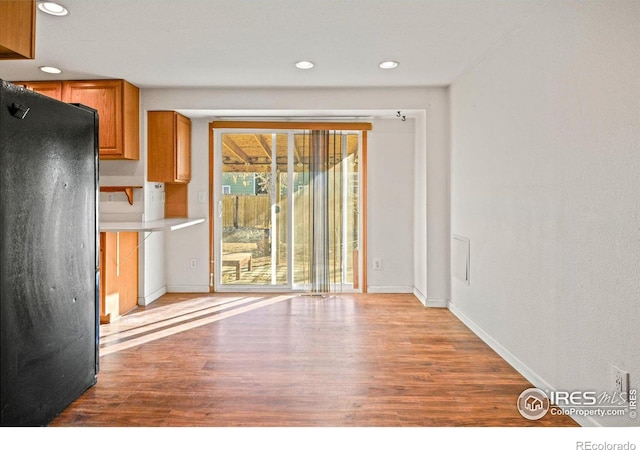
[430, 302]
[390, 289]
[524, 370]
[437, 303]
[420, 296]
[144, 301]
[193, 289]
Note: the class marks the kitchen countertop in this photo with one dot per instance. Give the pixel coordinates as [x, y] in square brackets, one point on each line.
[152, 225]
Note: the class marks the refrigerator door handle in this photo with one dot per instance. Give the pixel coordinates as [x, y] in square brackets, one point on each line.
[19, 111]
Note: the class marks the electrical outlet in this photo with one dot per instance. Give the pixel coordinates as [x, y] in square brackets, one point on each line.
[377, 264]
[193, 264]
[620, 380]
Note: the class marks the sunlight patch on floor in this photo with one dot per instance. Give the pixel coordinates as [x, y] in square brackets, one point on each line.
[179, 325]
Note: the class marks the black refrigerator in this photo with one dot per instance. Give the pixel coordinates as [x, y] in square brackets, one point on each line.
[49, 256]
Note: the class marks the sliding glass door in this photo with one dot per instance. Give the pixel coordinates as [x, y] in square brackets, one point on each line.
[286, 210]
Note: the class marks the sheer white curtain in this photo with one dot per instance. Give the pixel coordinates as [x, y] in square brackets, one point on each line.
[325, 237]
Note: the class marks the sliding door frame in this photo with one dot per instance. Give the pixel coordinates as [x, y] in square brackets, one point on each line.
[363, 127]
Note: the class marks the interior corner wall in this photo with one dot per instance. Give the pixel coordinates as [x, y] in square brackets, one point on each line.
[151, 261]
[431, 219]
[420, 216]
[544, 165]
[437, 208]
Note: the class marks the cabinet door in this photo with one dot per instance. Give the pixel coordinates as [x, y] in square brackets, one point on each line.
[160, 151]
[118, 105]
[183, 148]
[118, 274]
[127, 274]
[18, 30]
[108, 301]
[51, 89]
[169, 147]
[106, 97]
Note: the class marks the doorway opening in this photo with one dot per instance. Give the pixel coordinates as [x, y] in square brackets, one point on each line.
[288, 207]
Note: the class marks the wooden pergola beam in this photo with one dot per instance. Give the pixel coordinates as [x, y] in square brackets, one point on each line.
[263, 145]
[296, 152]
[235, 149]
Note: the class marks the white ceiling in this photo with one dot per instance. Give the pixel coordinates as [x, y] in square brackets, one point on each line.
[254, 43]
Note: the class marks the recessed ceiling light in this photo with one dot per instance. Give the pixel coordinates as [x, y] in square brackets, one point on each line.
[50, 69]
[388, 64]
[304, 64]
[55, 9]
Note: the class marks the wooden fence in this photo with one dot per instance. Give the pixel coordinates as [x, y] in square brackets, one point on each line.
[246, 211]
[254, 211]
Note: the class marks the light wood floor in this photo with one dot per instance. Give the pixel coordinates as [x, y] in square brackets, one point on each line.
[348, 360]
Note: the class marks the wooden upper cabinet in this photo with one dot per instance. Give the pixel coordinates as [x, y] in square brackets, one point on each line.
[118, 105]
[17, 29]
[51, 89]
[183, 148]
[169, 152]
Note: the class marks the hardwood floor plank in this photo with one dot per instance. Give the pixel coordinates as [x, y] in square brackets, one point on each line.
[351, 360]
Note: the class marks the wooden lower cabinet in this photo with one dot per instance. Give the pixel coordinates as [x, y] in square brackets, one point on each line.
[118, 274]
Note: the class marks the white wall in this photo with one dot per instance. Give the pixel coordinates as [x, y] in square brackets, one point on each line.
[185, 244]
[436, 134]
[420, 263]
[431, 219]
[115, 206]
[545, 184]
[192, 243]
[152, 267]
[390, 205]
